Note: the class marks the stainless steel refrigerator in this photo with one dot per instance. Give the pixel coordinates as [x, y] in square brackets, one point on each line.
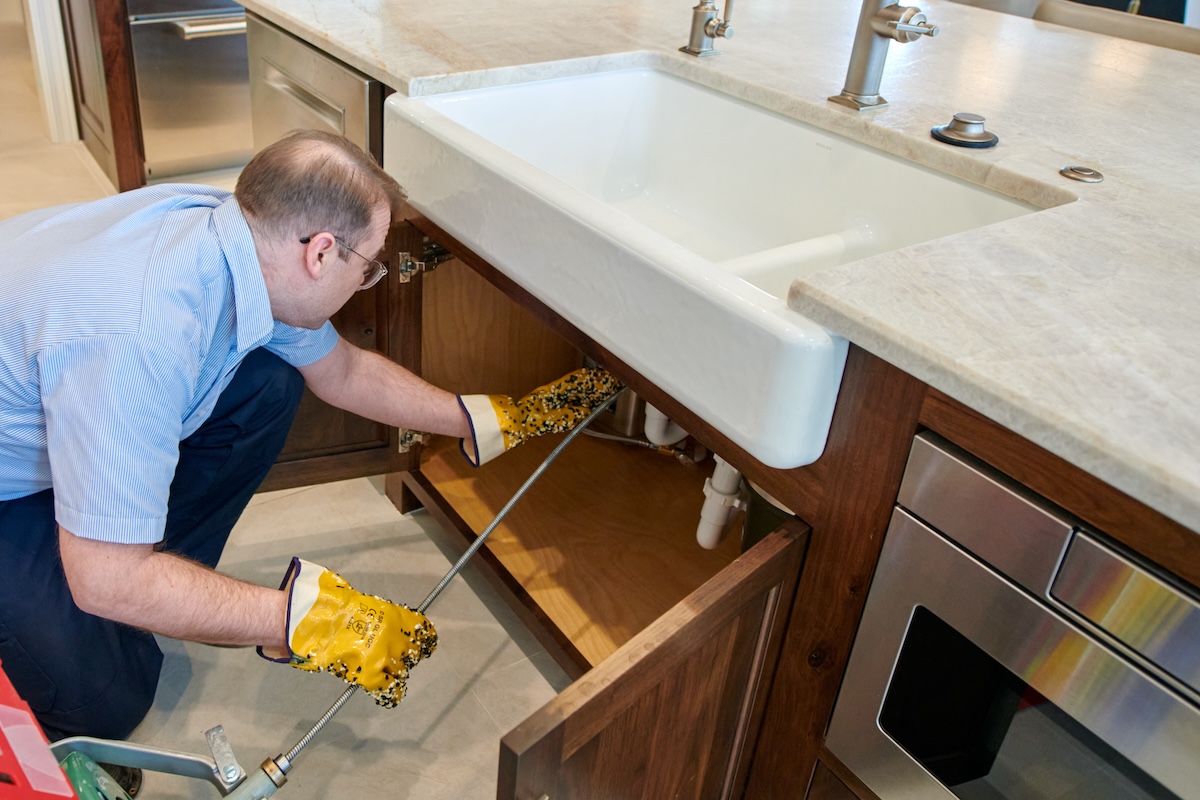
[192, 84]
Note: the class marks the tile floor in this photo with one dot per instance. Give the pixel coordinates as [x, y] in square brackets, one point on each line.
[488, 674]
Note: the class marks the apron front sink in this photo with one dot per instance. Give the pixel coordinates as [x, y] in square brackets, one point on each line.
[666, 221]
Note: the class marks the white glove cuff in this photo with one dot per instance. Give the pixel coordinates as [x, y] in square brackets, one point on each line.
[302, 582]
[487, 440]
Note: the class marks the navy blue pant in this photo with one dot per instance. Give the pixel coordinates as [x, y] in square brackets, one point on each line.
[83, 675]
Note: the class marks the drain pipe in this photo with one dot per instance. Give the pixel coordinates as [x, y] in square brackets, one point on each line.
[723, 492]
[660, 430]
[722, 496]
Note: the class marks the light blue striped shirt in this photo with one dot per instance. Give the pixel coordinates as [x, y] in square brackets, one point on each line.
[121, 321]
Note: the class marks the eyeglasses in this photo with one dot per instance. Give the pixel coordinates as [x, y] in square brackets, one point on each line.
[375, 268]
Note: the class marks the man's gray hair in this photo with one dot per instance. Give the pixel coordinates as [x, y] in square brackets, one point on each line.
[311, 181]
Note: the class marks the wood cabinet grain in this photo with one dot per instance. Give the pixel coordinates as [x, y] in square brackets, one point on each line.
[674, 711]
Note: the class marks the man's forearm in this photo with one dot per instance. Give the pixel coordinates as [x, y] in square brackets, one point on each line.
[169, 595]
[374, 387]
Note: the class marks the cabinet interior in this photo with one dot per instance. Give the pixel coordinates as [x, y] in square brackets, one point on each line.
[604, 543]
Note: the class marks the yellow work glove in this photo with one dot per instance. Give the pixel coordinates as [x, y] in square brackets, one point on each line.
[360, 638]
[499, 423]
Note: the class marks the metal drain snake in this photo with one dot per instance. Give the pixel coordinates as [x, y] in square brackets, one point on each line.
[285, 761]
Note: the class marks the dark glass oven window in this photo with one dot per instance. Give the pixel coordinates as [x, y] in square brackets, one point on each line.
[986, 735]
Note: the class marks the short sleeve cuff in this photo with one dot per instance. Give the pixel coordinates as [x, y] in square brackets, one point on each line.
[120, 530]
[300, 347]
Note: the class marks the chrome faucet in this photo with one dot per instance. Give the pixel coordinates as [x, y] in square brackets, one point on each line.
[879, 22]
[706, 27]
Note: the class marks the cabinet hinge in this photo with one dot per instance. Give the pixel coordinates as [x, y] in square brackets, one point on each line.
[409, 264]
[409, 438]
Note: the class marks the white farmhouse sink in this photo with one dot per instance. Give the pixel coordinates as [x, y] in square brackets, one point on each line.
[666, 220]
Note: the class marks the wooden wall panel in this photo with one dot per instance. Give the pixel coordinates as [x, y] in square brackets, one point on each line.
[476, 340]
[101, 55]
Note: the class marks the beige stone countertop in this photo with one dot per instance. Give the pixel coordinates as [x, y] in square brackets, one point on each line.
[1076, 326]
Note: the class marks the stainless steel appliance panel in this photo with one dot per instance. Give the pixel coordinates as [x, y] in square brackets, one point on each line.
[296, 86]
[1131, 712]
[1141, 610]
[148, 8]
[968, 504]
[193, 86]
[990, 608]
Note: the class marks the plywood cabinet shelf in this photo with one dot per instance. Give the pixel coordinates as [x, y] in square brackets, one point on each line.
[604, 543]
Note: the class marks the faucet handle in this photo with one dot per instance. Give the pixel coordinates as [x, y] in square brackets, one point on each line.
[922, 28]
[719, 29]
[902, 23]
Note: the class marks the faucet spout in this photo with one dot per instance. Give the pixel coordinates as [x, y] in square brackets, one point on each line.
[879, 22]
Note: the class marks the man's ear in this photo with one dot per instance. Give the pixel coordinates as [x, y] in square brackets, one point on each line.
[319, 250]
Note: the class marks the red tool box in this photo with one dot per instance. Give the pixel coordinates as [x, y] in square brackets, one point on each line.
[28, 770]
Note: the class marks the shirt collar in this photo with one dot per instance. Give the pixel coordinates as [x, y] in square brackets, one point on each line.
[250, 302]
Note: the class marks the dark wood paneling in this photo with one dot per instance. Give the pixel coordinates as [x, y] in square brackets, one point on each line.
[123, 113]
[340, 467]
[1152, 535]
[869, 439]
[405, 314]
[666, 715]
[320, 429]
[87, 78]
[827, 786]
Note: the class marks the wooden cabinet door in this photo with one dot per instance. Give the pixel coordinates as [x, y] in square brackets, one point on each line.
[327, 443]
[321, 429]
[675, 711]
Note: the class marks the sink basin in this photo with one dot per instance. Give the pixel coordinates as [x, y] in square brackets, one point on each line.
[666, 221]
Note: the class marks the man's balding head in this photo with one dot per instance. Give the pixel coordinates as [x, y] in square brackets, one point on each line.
[313, 181]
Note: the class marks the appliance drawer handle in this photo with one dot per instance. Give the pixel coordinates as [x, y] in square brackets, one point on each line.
[211, 26]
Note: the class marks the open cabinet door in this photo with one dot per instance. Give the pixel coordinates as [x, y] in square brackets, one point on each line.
[675, 711]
